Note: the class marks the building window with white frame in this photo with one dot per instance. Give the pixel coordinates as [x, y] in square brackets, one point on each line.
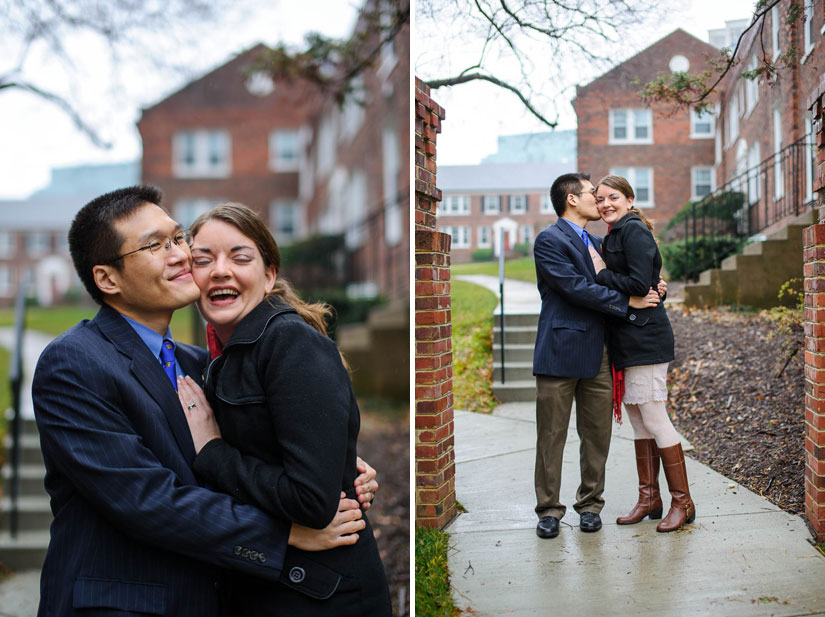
[701, 182]
[546, 206]
[701, 125]
[518, 204]
[202, 154]
[187, 210]
[286, 220]
[285, 150]
[775, 32]
[778, 178]
[526, 234]
[391, 167]
[37, 243]
[808, 30]
[641, 179]
[751, 89]
[458, 205]
[7, 244]
[630, 126]
[732, 133]
[484, 237]
[388, 56]
[753, 173]
[6, 287]
[808, 155]
[491, 204]
[460, 235]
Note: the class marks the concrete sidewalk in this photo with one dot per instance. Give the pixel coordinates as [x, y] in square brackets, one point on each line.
[742, 555]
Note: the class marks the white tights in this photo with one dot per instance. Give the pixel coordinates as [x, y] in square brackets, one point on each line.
[650, 421]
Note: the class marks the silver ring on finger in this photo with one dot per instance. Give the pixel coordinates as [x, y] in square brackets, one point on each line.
[191, 405]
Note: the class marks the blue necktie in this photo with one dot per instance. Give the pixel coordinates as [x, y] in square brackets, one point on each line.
[585, 238]
[167, 359]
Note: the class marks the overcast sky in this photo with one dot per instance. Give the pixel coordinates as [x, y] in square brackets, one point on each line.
[37, 137]
[478, 112]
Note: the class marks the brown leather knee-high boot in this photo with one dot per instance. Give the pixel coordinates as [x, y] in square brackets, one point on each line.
[650, 501]
[682, 510]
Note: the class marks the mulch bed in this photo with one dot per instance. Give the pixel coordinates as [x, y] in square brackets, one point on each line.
[727, 399]
[385, 444]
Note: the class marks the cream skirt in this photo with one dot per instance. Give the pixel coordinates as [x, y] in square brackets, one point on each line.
[645, 383]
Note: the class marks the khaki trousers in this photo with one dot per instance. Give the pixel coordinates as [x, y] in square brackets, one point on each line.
[594, 416]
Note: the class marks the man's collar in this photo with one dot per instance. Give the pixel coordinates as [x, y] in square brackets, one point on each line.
[150, 338]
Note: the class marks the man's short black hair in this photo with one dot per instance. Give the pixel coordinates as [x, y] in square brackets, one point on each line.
[563, 186]
[93, 239]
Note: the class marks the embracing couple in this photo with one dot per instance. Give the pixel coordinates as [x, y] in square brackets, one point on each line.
[189, 488]
[603, 339]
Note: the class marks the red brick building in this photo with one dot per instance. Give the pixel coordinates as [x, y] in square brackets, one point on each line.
[668, 158]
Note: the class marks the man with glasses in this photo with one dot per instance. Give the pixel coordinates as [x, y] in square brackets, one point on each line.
[132, 529]
[570, 357]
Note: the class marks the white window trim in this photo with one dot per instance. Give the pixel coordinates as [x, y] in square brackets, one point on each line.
[631, 127]
[278, 164]
[7, 247]
[481, 243]
[545, 204]
[694, 118]
[454, 233]
[778, 177]
[693, 182]
[485, 210]
[632, 180]
[808, 31]
[201, 167]
[751, 90]
[452, 212]
[522, 209]
[775, 32]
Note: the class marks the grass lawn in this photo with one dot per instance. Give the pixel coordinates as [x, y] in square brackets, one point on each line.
[472, 315]
[432, 577]
[523, 269]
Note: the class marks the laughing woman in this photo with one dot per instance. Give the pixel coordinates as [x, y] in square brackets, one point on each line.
[287, 419]
[641, 344]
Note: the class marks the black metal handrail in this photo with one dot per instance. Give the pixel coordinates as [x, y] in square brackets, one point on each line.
[16, 382]
[719, 224]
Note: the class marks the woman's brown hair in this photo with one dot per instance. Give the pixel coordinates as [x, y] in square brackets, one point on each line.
[247, 221]
[623, 186]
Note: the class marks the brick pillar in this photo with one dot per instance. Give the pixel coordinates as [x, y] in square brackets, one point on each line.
[434, 453]
[814, 269]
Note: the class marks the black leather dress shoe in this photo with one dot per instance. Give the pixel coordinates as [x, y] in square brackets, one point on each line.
[590, 522]
[548, 527]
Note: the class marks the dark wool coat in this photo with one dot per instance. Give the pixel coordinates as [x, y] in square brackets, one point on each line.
[642, 336]
[289, 420]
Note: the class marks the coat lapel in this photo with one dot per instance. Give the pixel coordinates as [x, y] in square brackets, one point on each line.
[148, 371]
[579, 245]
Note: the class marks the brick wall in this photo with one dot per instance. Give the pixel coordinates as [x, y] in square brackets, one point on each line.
[434, 452]
[814, 268]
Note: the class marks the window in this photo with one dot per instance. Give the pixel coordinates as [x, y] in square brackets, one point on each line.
[285, 221]
[484, 237]
[701, 125]
[641, 179]
[5, 282]
[733, 121]
[753, 173]
[460, 234]
[808, 29]
[37, 243]
[388, 56]
[809, 154]
[284, 150]
[751, 89]
[187, 210]
[491, 204]
[456, 204]
[631, 126]
[6, 244]
[775, 31]
[701, 182]
[202, 154]
[778, 178]
[391, 167]
[518, 204]
[526, 234]
[546, 205]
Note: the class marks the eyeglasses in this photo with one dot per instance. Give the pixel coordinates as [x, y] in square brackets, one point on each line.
[183, 236]
[591, 191]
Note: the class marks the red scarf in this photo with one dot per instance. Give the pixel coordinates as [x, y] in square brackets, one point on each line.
[618, 393]
[213, 343]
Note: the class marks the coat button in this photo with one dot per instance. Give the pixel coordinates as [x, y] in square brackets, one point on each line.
[253, 555]
[237, 550]
[633, 317]
[296, 574]
[245, 553]
[261, 557]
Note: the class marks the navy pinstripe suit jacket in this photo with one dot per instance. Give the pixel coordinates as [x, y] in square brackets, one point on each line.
[133, 533]
[571, 334]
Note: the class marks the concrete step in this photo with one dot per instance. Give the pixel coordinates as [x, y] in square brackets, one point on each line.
[29, 425]
[516, 371]
[513, 352]
[34, 514]
[26, 551]
[518, 335]
[30, 453]
[31, 480]
[517, 319]
[515, 391]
